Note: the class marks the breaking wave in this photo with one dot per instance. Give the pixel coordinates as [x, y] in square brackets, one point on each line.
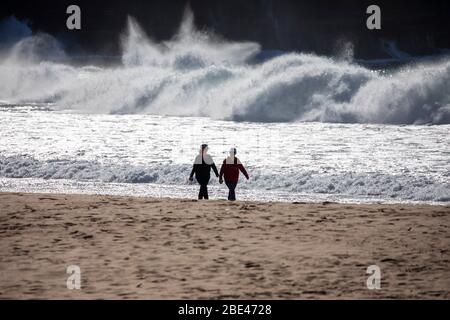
[379, 185]
[197, 73]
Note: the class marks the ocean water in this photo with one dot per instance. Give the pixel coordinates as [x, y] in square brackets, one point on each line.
[54, 151]
[308, 128]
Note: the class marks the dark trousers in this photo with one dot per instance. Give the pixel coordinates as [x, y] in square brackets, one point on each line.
[231, 194]
[203, 194]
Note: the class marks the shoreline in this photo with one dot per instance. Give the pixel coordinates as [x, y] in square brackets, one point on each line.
[169, 191]
[166, 248]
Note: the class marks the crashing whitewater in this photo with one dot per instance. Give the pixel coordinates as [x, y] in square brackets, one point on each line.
[108, 134]
[199, 74]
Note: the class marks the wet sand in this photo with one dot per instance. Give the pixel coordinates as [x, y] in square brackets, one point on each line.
[142, 248]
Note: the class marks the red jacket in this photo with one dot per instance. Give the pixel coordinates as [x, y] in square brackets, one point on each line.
[231, 170]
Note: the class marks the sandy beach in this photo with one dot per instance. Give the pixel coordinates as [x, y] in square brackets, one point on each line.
[143, 248]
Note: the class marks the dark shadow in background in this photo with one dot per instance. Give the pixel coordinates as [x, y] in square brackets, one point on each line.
[419, 27]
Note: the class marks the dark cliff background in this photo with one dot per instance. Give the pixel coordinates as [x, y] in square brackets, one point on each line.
[419, 27]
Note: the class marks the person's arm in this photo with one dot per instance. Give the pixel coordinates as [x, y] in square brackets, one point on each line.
[241, 167]
[215, 169]
[191, 176]
[222, 169]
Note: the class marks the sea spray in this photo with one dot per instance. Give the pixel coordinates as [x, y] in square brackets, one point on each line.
[197, 73]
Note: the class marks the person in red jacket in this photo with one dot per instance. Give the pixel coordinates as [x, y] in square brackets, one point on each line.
[230, 171]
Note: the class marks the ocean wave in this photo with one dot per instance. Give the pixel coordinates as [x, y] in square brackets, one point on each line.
[199, 74]
[375, 184]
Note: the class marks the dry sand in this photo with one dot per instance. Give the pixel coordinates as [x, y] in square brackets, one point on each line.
[169, 249]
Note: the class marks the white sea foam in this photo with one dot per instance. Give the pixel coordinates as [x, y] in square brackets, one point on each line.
[136, 127]
[349, 184]
[198, 74]
[330, 161]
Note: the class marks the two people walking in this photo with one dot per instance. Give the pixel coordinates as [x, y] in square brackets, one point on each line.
[229, 171]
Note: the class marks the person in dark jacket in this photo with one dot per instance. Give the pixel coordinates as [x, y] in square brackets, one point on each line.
[202, 168]
[230, 171]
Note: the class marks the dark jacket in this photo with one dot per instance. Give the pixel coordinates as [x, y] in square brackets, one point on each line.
[202, 169]
[230, 170]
